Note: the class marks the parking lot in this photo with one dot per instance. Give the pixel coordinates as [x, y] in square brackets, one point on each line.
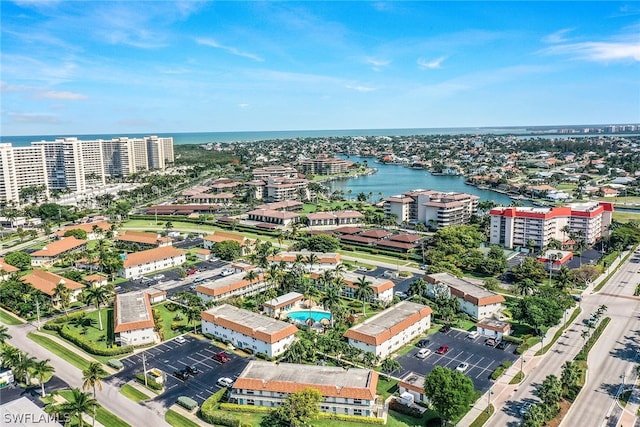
[482, 359]
[172, 356]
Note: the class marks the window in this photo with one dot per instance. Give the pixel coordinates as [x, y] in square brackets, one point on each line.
[357, 412]
[357, 401]
[251, 402]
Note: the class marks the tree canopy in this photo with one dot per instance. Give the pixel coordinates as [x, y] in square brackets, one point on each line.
[450, 392]
[228, 250]
[319, 243]
[18, 259]
[297, 410]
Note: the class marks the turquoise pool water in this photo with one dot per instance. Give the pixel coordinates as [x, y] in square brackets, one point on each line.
[302, 316]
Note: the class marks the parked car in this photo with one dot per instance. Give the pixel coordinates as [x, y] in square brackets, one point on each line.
[221, 357]
[182, 374]
[525, 408]
[502, 345]
[191, 271]
[462, 367]
[445, 328]
[193, 370]
[401, 295]
[491, 341]
[224, 382]
[473, 335]
[423, 343]
[226, 272]
[180, 339]
[442, 349]
[362, 269]
[158, 277]
[423, 353]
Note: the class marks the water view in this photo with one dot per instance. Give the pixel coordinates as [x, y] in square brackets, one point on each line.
[392, 180]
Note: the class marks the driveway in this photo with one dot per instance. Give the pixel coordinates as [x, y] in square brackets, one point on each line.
[172, 356]
[482, 359]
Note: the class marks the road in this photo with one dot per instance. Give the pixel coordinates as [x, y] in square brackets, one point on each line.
[133, 413]
[614, 354]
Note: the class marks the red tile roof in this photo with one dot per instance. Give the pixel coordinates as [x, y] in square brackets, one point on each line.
[59, 247]
[7, 267]
[142, 237]
[150, 255]
[46, 282]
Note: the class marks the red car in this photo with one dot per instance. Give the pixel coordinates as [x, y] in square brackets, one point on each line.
[191, 271]
[442, 349]
[221, 357]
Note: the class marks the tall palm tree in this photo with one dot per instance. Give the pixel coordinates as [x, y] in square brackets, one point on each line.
[92, 377]
[331, 297]
[364, 291]
[193, 314]
[62, 295]
[4, 334]
[251, 276]
[312, 259]
[9, 356]
[98, 295]
[40, 370]
[24, 365]
[79, 404]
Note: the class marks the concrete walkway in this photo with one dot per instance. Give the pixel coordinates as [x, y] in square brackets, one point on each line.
[501, 390]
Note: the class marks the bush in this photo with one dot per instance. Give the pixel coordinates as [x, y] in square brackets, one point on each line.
[151, 383]
[509, 338]
[187, 403]
[351, 418]
[264, 357]
[244, 408]
[404, 409]
[89, 346]
[220, 418]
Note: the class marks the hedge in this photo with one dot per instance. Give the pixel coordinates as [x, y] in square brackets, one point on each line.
[88, 346]
[351, 418]
[187, 403]
[404, 409]
[582, 355]
[151, 383]
[220, 418]
[244, 408]
[500, 370]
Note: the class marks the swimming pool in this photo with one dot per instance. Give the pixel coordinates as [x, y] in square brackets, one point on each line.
[304, 315]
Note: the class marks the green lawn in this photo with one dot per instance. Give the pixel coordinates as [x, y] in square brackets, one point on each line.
[386, 387]
[168, 320]
[68, 355]
[104, 417]
[9, 319]
[133, 393]
[622, 216]
[177, 420]
[483, 417]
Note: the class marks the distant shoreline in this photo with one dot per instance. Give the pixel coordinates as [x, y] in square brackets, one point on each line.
[197, 138]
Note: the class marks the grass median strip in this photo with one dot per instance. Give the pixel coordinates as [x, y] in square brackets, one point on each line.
[559, 332]
[483, 417]
[9, 319]
[133, 393]
[59, 350]
[177, 420]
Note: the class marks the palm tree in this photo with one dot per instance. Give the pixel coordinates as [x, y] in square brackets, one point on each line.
[79, 404]
[331, 297]
[251, 276]
[526, 287]
[193, 314]
[24, 365]
[312, 259]
[364, 291]
[10, 356]
[563, 278]
[389, 365]
[570, 376]
[4, 334]
[98, 295]
[40, 370]
[61, 293]
[92, 377]
[418, 287]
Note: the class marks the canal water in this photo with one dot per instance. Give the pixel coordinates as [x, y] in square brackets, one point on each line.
[391, 180]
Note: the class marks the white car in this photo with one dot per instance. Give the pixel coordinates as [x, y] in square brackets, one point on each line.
[423, 353]
[226, 272]
[462, 367]
[180, 339]
[473, 335]
[158, 277]
[225, 382]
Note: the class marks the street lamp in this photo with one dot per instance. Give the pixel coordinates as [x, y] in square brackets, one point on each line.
[489, 400]
[522, 362]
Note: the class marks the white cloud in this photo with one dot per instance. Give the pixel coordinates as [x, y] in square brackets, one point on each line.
[62, 95]
[557, 37]
[360, 88]
[231, 50]
[243, 105]
[598, 51]
[377, 64]
[33, 118]
[430, 65]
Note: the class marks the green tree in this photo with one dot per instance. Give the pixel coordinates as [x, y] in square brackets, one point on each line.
[390, 365]
[98, 295]
[297, 410]
[77, 233]
[318, 243]
[62, 294]
[530, 268]
[450, 392]
[4, 334]
[363, 291]
[41, 369]
[23, 366]
[535, 416]
[92, 377]
[418, 287]
[18, 259]
[227, 250]
[571, 373]
[79, 404]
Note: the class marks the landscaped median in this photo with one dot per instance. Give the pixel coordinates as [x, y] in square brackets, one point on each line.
[59, 350]
[9, 319]
[560, 331]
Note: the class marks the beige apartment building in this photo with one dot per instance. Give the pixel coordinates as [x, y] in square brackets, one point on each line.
[434, 208]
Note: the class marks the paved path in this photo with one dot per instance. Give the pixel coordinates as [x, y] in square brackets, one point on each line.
[133, 413]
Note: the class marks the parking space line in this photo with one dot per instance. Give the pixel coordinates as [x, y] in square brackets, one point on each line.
[172, 367]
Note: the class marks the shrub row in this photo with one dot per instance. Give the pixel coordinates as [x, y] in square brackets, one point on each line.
[244, 408]
[404, 409]
[219, 418]
[351, 418]
[90, 347]
[150, 382]
[187, 403]
[500, 370]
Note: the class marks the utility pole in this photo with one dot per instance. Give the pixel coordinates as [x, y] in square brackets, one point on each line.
[38, 313]
[144, 367]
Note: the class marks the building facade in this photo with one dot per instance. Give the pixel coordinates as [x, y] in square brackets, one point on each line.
[344, 392]
[133, 319]
[434, 208]
[234, 285]
[382, 288]
[248, 330]
[391, 329]
[518, 226]
[140, 263]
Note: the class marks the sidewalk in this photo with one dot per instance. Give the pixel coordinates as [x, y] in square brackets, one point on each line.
[502, 390]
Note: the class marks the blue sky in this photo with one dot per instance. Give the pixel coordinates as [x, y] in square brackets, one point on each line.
[74, 67]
